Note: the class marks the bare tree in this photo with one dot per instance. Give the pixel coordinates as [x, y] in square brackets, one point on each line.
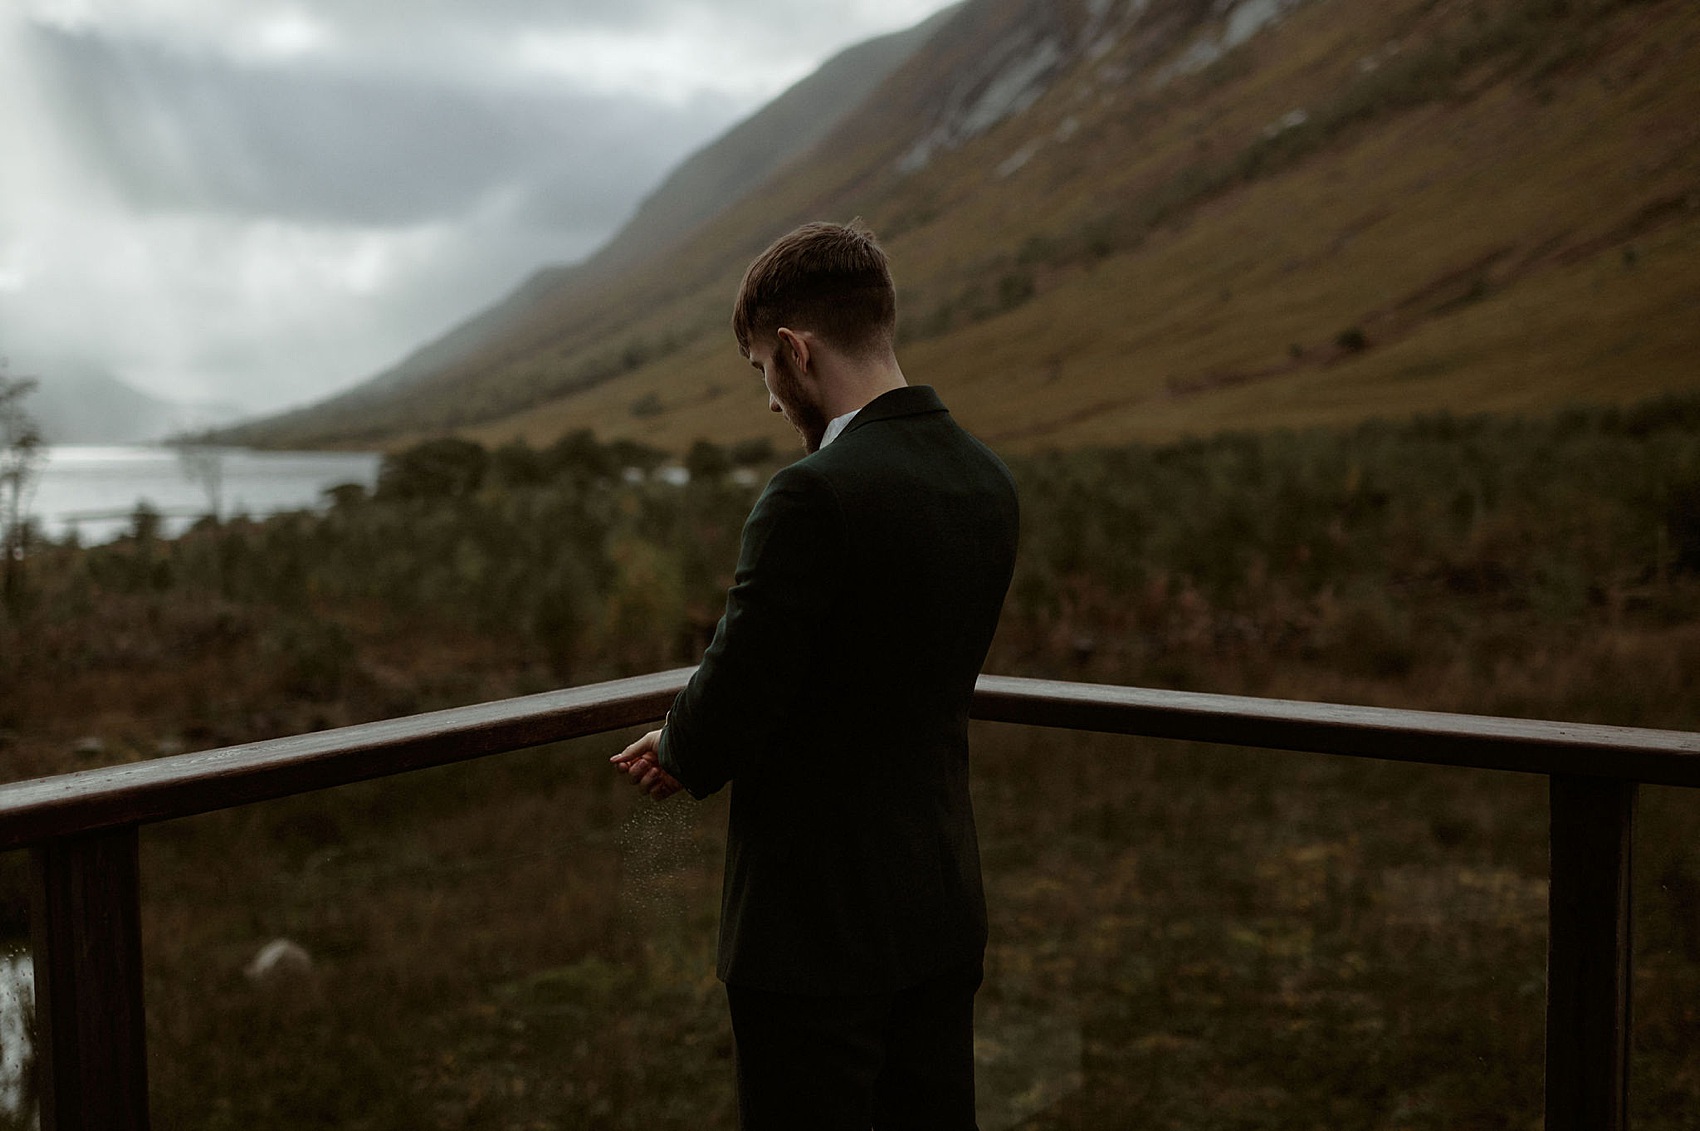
[203, 465]
[20, 459]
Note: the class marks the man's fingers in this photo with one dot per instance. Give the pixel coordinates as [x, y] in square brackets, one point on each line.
[657, 783]
[641, 763]
[638, 749]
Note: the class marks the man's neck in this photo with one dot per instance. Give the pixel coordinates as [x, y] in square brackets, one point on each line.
[853, 386]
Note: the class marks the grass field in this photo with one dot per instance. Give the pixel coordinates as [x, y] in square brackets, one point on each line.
[1183, 936]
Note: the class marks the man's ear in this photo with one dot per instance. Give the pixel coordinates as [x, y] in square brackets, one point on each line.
[798, 345]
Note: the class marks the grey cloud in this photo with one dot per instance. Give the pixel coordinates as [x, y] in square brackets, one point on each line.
[473, 41]
[288, 224]
[192, 132]
[384, 16]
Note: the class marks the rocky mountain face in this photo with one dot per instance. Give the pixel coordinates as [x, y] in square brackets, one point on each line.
[1136, 218]
[738, 162]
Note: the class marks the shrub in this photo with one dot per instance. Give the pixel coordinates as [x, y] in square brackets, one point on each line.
[435, 469]
[1352, 340]
[707, 461]
[749, 453]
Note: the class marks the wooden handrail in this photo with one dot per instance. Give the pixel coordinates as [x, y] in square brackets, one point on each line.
[81, 829]
[183, 785]
[1657, 757]
[186, 784]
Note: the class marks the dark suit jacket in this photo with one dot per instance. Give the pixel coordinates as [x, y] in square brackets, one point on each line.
[835, 695]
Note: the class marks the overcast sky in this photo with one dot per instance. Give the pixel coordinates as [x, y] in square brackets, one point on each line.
[263, 201]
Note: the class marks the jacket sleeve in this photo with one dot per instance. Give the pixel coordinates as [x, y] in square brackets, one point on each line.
[790, 571]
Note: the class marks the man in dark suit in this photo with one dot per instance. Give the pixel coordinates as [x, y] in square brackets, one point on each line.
[835, 696]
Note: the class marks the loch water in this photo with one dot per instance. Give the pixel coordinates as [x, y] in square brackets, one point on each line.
[95, 490]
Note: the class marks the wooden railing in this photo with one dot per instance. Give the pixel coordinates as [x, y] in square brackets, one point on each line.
[81, 830]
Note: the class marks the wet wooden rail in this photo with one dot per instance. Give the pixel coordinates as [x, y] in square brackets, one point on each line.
[81, 830]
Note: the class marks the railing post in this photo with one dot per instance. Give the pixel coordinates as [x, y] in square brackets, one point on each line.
[1588, 954]
[85, 925]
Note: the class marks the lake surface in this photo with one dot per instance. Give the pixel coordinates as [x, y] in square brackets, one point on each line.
[95, 490]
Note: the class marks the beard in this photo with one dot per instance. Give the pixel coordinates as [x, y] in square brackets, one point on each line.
[803, 411]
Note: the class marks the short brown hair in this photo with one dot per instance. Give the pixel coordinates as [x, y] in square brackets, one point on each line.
[829, 279]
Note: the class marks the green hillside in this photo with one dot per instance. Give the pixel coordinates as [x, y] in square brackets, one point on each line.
[1115, 221]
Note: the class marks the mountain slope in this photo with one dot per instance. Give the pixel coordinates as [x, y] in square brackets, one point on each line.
[721, 171]
[1141, 218]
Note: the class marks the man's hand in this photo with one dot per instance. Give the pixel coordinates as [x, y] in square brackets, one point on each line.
[640, 762]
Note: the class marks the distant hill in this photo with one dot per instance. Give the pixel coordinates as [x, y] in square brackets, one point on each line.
[79, 403]
[1114, 219]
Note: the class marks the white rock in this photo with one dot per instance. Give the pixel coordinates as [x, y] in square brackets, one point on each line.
[1291, 120]
[280, 958]
[1017, 159]
[1017, 71]
[1245, 19]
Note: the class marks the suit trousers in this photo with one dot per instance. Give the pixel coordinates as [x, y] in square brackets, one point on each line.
[900, 1061]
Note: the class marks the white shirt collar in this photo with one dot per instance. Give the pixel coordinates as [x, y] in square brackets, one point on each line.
[836, 427]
